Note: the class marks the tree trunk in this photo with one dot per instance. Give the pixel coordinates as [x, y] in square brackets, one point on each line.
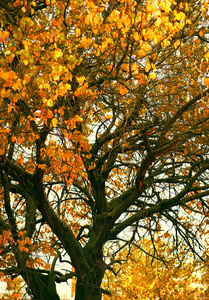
[86, 290]
[41, 287]
[88, 285]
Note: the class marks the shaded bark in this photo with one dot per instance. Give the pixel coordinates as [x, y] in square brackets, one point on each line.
[87, 290]
[88, 286]
[41, 287]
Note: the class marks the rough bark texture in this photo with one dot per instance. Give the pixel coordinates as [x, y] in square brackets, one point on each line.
[42, 287]
[87, 290]
[88, 285]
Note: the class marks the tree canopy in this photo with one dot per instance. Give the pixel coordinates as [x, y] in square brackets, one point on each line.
[168, 277]
[103, 134]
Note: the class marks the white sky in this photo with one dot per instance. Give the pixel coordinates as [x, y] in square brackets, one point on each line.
[63, 289]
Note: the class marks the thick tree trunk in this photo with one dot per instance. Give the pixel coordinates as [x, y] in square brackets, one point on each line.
[86, 290]
[88, 286]
[41, 287]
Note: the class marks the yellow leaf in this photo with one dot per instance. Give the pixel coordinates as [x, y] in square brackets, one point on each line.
[136, 36]
[207, 56]
[50, 102]
[78, 119]
[148, 67]
[158, 22]
[180, 16]
[25, 61]
[58, 54]
[165, 6]
[68, 86]
[80, 79]
[176, 44]
[153, 283]
[152, 75]
[77, 32]
[145, 46]
[54, 122]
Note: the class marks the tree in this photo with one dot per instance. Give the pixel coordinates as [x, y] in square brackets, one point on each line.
[144, 277]
[104, 133]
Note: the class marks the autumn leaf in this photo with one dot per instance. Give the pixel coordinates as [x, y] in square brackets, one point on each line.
[80, 80]
[3, 36]
[57, 54]
[78, 119]
[206, 81]
[2, 151]
[115, 15]
[20, 140]
[152, 75]
[13, 139]
[136, 36]
[103, 143]
[123, 90]
[54, 122]
[50, 103]
[141, 276]
[176, 44]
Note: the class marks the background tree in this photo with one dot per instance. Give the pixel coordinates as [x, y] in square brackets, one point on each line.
[142, 276]
[104, 133]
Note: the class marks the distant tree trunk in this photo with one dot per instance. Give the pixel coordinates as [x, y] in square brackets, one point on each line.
[41, 287]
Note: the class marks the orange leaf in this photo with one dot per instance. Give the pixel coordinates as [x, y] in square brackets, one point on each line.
[19, 140]
[123, 90]
[78, 119]
[206, 81]
[115, 15]
[13, 138]
[4, 35]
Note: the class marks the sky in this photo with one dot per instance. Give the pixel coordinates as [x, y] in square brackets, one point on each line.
[63, 290]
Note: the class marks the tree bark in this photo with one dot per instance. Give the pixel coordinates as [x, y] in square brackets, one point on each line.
[88, 285]
[87, 290]
[41, 287]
